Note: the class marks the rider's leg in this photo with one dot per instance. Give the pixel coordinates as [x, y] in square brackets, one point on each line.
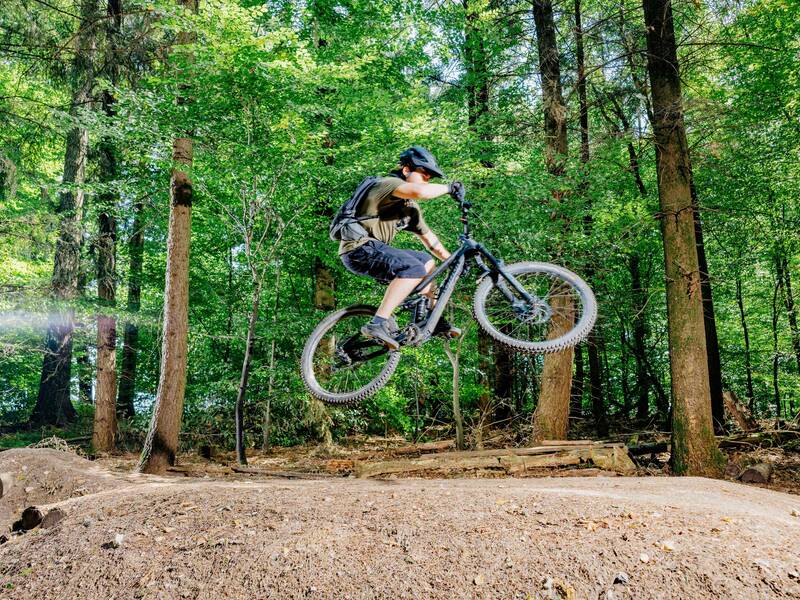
[398, 290]
[429, 290]
[443, 327]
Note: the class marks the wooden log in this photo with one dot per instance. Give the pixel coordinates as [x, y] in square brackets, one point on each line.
[519, 451]
[570, 443]
[648, 449]
[441, 445]
[415, 465]
[618, 460]
[759, 473]
[280, 474]
[512, 460]
[739, 412]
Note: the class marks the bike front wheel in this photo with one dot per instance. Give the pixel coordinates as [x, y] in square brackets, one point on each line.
[561, 313]
[341, 366]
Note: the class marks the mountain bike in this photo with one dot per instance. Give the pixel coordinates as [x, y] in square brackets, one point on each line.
[533, 307]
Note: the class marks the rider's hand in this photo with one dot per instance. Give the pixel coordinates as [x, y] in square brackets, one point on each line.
[457, 190]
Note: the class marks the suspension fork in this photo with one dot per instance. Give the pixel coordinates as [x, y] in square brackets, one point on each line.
[497, 269]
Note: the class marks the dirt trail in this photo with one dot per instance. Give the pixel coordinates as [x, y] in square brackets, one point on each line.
[468, 538]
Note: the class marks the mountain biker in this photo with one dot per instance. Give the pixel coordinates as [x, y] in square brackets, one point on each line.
[392, 199]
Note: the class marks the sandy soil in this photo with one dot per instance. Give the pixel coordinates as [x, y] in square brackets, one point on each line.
[44, 475]
[181, 537]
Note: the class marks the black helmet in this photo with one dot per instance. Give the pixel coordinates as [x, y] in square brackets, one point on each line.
[419, 158]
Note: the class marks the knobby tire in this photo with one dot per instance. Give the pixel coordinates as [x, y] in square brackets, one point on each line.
[316, 388]
[579, 331]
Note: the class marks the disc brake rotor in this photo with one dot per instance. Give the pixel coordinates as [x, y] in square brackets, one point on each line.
[537, 313]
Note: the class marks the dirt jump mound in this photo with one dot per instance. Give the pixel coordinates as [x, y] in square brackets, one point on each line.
[547, 538]
[35, 476]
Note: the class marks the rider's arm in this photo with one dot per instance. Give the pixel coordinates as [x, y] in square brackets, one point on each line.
[420, 191]
[432, 243]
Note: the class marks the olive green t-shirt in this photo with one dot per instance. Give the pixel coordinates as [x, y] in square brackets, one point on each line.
[393, 214]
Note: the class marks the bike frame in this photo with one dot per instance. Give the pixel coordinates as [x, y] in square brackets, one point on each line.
[456, 264]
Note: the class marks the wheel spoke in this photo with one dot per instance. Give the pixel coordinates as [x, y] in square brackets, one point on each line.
[562, 300]
[330, 365]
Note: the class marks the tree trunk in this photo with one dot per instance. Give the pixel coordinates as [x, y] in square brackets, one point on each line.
[639, 336]
[325, 300]
[596, 388]
[477, 82]
[578, 384]
[8, 177]
[485, 398]
[240, 396]
[229, 298]
[775, 357]
[582, 102]
[743, 417]
[712, 342]
[84, 368]
[638, 293]
[161, 444]
[624, 359]
[105, 417]
[105, 425]
[324, 287]
[130, 346]
[694, 449]
[551, 417]
[53, 405]
[503, 382]
[788, 299]
[105, 422]
[594, 341]
[265, 431]
[459, 421]
[81, 346]
[747, 361]
[583, 191]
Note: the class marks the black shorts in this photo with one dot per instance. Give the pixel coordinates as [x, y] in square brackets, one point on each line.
[384, 263]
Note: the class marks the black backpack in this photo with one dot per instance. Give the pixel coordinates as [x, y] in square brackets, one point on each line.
[345, 225]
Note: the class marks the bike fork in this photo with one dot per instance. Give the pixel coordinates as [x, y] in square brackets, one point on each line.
[498, 273]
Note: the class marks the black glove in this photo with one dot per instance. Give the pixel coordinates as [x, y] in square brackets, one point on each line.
[457, 191]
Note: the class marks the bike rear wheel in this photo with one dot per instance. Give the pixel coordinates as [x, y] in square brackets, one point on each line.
[562, 314]
[341, 366]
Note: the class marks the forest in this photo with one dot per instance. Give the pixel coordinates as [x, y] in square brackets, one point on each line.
[169, 168]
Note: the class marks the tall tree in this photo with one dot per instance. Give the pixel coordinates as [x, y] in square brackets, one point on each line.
[709, 320]
[261, 230]
[105, 414]
[785, 281]
[694, 449]
[621, 126]
[477, 87]
[477, 81]
[551, 418]
[130, 342]
[594, 342]
[161, 444]
[53, 405]
[748, 365]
